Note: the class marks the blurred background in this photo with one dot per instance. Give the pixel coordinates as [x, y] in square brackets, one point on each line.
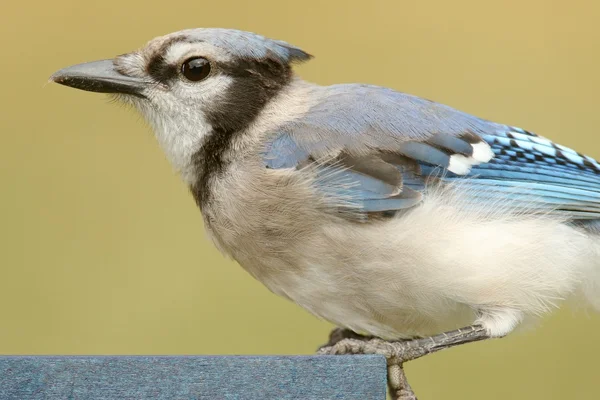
[103, 249]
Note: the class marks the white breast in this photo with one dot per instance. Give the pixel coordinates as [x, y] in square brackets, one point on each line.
[437, 268]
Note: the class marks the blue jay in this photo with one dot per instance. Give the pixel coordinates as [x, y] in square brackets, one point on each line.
[381, 212]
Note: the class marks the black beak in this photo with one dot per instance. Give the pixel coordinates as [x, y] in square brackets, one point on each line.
[101, 77]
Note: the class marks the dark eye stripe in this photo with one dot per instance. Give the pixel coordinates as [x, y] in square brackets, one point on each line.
[159, 70]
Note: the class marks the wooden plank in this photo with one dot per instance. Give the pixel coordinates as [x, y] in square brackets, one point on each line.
[192, 377]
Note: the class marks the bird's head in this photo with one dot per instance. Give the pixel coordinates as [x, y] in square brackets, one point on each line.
[193, 83]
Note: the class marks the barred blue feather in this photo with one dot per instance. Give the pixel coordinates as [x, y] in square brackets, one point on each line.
[540, 172]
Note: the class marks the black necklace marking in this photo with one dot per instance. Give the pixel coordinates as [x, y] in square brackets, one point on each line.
[255, 83]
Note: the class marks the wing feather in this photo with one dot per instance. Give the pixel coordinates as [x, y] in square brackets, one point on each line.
[377, 149]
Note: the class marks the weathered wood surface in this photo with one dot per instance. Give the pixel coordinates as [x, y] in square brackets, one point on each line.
[192, 377]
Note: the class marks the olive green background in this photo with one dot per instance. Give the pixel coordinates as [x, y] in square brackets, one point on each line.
[102, 247]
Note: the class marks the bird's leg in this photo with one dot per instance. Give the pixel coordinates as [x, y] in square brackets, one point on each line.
[343, 341]
[397, 353]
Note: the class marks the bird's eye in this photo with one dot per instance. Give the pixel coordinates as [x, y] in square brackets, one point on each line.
[195, 69]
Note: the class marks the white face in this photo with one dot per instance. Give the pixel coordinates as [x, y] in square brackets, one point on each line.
[177, 107]
[196, 88]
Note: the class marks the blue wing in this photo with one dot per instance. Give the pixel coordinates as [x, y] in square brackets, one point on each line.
[377, 150]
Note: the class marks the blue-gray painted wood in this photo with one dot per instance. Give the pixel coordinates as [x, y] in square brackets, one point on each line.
[192, 377]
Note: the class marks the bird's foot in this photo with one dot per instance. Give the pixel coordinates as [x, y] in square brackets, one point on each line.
[344, 341]
[339, 334]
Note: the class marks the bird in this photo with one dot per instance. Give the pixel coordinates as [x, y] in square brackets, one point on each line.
[382, 212]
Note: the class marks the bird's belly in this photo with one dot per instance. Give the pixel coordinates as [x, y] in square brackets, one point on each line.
[354, 297]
